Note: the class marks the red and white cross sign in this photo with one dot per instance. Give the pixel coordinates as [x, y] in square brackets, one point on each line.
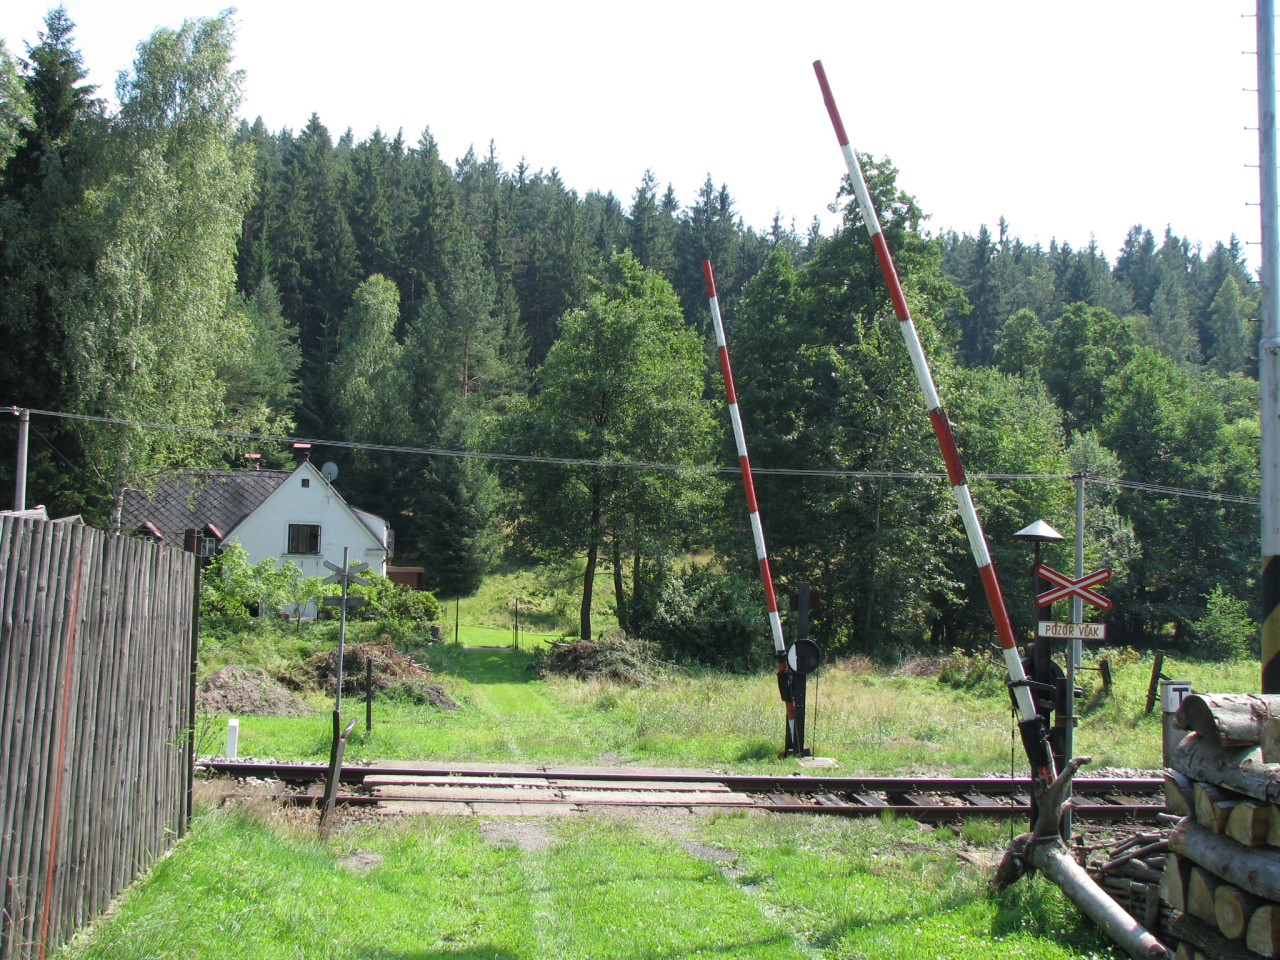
[1067, 587]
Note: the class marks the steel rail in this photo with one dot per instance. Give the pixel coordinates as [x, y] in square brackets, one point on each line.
[743, 783]
[1092, 812]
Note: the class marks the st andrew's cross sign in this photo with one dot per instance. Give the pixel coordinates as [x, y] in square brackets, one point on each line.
[1067, 587]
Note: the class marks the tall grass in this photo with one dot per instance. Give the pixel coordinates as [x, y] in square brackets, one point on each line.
[869, 720]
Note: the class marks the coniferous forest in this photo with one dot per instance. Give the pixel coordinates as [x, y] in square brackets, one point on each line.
[166, 262]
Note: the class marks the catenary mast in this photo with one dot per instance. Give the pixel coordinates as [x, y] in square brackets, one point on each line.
[1269, 348]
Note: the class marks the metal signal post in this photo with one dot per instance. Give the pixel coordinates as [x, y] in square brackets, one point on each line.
[1034, 732]
[803, 657]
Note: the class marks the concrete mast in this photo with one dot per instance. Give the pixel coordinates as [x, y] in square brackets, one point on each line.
[1269, 348]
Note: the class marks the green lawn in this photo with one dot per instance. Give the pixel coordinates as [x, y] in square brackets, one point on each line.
[249, 884]
[470, 635]
[543, 600]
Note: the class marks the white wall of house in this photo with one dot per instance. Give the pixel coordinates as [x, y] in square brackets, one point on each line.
[305, 500]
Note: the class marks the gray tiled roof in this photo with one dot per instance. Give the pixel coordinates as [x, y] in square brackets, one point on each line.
[198, 497]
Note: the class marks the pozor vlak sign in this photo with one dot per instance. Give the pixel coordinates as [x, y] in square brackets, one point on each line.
[1064, 587]
[1057, 630]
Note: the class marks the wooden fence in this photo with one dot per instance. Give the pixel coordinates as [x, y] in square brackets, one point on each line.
[96, 650]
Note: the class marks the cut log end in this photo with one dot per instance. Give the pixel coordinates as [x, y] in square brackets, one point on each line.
[1262, 935]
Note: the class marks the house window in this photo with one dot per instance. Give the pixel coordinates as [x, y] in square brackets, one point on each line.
[306, 481]
[304, 538]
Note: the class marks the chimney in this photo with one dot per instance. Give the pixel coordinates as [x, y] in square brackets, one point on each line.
[302, 452]
[252, 461]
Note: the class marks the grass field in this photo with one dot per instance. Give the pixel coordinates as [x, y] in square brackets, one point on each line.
[253, 881]
[544, 602]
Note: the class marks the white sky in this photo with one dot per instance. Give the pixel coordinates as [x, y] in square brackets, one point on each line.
[1067, 119]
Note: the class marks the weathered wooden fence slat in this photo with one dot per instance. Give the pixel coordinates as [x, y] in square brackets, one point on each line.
[34, 738]
[97, 639]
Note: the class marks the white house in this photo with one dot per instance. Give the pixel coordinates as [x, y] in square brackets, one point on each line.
[288, 514]
[306, 520]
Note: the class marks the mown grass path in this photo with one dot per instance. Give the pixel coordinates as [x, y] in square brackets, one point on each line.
[501, 687]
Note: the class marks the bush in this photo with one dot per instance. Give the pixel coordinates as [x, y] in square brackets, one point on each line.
[710, 618]
[974, 672]
[230, 588]
[387, 600]
[1225, 632]
[233, 591]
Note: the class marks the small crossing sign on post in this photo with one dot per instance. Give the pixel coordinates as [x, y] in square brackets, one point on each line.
[347, 575]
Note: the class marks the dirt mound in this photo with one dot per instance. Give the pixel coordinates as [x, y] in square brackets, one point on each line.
[389, 665]
[586, 660]
[393, 673]
[248, 691]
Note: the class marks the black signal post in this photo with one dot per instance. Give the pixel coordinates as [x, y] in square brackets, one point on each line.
[802, 658]
[1048, 684]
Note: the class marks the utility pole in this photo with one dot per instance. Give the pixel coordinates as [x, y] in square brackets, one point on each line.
[20, 467]
[1269, 347]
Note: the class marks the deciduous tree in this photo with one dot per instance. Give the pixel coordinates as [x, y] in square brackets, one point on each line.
[150, 319]
[624, 383]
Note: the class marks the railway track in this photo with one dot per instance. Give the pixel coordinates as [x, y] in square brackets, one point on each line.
[549, 790]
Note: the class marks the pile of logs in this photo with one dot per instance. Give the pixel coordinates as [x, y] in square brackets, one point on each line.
[1221, 877]
[1129, 869]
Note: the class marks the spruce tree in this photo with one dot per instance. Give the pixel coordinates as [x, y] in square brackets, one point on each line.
[53, 135]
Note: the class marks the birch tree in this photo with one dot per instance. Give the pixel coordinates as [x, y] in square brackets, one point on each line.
[152, 317]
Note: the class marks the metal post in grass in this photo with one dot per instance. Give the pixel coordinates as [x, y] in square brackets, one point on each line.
[334, 775]
[1153, 688]
[345, 576]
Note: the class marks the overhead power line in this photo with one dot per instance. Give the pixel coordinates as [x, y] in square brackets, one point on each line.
[638, 464]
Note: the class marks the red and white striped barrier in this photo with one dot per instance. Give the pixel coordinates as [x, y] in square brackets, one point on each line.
[1033, 731]
[757, 531]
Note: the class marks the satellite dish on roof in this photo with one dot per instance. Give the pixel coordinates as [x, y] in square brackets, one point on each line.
[329, 471]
